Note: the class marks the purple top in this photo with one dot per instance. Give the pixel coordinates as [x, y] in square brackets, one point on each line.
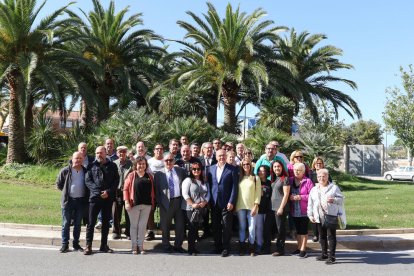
[304, 189]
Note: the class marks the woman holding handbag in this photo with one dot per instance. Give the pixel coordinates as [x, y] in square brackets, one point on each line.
[196, 194]
[324, 203]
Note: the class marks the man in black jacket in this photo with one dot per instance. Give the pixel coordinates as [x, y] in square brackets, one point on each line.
[102, 181]
[71, 181]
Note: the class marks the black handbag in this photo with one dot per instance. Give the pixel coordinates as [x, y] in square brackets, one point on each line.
[330, 221]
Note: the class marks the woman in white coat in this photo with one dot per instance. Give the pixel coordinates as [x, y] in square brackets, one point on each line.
[324, 204]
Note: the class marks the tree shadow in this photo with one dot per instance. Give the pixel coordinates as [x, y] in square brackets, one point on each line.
[380, 258]
[356, 226]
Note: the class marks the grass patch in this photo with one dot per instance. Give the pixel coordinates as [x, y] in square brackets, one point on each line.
[378, 204]
[28, 195]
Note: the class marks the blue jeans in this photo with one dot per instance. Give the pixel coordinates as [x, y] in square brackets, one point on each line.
[242, 215]
[259, 228]
[74, 209]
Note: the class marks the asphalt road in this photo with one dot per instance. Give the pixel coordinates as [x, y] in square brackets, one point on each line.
[17, 260]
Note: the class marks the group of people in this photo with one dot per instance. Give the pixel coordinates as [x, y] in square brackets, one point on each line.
[190, 184]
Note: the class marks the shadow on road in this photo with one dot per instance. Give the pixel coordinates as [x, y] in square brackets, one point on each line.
[381, 258]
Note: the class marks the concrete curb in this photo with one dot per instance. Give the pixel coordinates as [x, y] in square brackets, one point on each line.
[371, 240]
[357, 232]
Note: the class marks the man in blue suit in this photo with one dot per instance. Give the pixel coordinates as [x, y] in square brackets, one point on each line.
[224, 180]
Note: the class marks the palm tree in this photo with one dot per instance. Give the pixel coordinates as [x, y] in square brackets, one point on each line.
[126, 58]
[303, 73]
[22, 46]
[227, 54]
[276, 112]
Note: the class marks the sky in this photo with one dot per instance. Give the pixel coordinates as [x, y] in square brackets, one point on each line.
[376, 36]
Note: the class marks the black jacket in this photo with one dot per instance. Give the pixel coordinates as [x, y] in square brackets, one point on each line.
[102, 177]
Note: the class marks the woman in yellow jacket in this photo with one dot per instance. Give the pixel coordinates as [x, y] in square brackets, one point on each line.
[247, 206]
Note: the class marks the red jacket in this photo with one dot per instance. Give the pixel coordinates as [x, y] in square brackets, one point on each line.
[129, 189]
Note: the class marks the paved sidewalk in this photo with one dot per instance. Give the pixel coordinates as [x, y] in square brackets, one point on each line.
[372, 239]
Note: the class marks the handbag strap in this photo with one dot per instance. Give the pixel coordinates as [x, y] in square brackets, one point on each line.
[320, 201]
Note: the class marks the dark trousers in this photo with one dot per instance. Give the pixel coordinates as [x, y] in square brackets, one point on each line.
[315, 230]
[222, 224]
[166, 216]
[269, 230]
[325, 235]
[281, 222]
[73, 209]
[105, 207]
[192, 232]
[206, 223]
[117, 208]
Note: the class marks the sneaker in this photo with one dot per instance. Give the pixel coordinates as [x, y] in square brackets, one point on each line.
[296, 252]
[142, 251]
[303, 254]
[77, 247]
[322, 258]
[315, 239]
[330, 261]
[116, 236]
[64, 248]
[98, 225]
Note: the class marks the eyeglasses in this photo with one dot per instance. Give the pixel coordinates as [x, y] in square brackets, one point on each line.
[216, 143]
[196, 169]
[249, 153]
[168, 160]
[158, 148]
[246, 164]
[299, 156]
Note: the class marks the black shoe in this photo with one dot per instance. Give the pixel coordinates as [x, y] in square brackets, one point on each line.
[193, 252]
[168, 250]
[179, 250]
[150, 236]
[64, 248]
[105, 249]
[303, 254]
[88, 250]
[296, 252]
[225, 253]
[315, 239]
[77, 247]
[322, 258]
[330, 261]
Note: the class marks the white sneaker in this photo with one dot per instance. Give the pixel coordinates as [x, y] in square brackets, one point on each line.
[98, 225]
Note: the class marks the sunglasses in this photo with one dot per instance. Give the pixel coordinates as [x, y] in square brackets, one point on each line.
[168, 160]
[196, 169]
[245, 164]
[298, 156]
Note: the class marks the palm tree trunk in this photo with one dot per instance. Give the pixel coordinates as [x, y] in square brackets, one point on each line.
[28, 117]
[212, 105]
[86, 116]
[15, 150]
[229, 93]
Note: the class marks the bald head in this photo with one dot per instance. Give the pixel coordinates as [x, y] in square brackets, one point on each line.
[77, 160]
